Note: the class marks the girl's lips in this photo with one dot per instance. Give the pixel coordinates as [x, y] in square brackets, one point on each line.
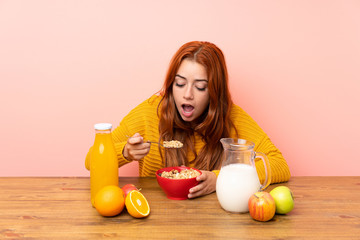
[187, 110]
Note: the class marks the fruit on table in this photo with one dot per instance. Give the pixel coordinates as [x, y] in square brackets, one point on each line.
[109, 201]
[129, 187]
[262, 206]
[137, 205]
[284, 199]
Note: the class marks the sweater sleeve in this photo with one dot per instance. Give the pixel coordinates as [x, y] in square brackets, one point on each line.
[248, 129]
[279, 169]
[142, 119]
[119, 136]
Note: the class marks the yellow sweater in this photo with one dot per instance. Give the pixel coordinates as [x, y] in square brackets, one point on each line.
[144, 120]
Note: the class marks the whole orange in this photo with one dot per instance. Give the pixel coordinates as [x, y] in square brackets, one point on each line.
[109, 201]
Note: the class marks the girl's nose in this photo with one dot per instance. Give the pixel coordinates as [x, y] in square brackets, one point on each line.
[188, 94]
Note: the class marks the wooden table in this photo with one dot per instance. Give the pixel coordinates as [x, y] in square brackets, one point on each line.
[60, 208]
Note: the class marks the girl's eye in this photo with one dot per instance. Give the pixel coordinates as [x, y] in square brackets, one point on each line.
[179, 85]
[201, 86]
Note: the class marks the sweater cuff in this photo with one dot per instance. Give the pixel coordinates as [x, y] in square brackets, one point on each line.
[216, 172]
[119, 153]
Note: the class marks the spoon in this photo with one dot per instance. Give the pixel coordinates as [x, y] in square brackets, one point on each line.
[167, 144]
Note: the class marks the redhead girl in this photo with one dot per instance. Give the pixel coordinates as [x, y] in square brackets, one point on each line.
[195, 108]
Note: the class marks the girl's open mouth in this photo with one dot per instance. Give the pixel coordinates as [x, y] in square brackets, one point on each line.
[187, 110]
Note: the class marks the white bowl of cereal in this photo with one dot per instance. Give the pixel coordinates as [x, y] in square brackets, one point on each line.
[176, 181]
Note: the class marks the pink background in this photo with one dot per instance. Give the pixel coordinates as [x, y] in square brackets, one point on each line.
[65, 65]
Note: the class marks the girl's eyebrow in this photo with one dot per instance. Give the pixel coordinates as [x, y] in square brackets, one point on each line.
[197, 80]
[178, 75]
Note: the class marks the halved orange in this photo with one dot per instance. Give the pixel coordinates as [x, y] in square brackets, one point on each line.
[137, 205]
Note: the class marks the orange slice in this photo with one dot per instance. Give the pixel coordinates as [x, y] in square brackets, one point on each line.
[137, 205]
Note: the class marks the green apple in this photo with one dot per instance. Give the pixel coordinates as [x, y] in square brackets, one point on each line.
[284, 200]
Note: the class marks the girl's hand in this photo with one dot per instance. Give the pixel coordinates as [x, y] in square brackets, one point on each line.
[207, 185]
[135, 148]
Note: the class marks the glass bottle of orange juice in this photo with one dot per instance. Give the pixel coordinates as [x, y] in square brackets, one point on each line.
[103, 161]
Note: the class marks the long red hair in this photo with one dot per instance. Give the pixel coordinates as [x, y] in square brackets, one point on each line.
[214, 123]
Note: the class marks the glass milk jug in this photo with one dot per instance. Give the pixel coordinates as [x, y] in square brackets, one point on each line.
[238, 178]
[103, 161]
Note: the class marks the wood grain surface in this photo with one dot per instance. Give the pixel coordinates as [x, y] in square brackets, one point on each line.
[60, 208]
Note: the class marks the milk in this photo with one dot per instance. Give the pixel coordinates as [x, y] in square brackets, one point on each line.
[234, 186]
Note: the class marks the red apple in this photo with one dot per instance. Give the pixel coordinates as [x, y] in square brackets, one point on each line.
[128, 187]
[262, 206]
